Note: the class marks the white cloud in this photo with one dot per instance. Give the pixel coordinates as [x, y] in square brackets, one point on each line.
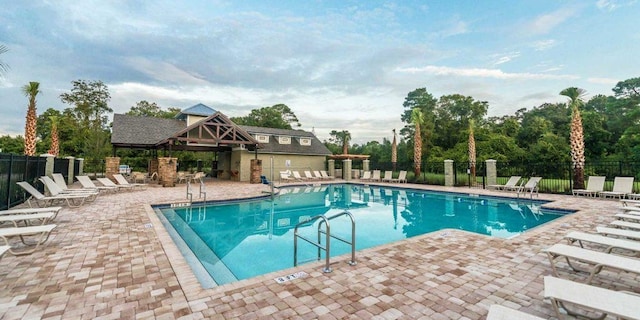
[606, 81]
[545, 23]
[608, 5]
[483, 73]
[500, 59]
[543, 44]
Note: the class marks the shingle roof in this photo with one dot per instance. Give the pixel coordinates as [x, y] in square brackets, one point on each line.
[316, 147]
[142, 131]
[136, 131]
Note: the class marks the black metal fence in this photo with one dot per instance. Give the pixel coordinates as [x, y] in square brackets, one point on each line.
[557, 177]
[15, 168]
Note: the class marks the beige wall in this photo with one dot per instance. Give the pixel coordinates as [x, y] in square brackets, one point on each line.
[297, 162]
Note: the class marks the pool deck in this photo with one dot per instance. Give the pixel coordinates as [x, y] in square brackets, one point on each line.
[112, 259]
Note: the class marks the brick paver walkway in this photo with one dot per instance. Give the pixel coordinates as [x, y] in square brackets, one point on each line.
[112, 259]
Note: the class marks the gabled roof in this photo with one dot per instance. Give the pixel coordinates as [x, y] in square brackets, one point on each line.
[316, 147]
[196, 110]
[216, 129]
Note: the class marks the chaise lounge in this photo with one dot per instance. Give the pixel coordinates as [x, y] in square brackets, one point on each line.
[41, 232]
[72, 200]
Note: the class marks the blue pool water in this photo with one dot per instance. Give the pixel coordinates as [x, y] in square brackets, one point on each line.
[242, 239]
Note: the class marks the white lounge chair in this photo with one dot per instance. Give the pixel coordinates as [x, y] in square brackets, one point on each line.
[42, 232]
[609, 302]
[4, 249]
[530, 187]
[284, 176]
[72, 200]
[317, 175]
[29, 219]
[55, 210]
[366, 176]
[621, 187]
[86, 183]
[630, 210]
[626, 217]
[107, 182]
[498, 312]
[58, 178]
[511, 184]
[388, 176]
[402, 177]
[595, 185]
[609, 243]
[598, 260]
[616, 232]
[55, 190]
[375, 176]
[296, 175]
[325, 175]
[630, 202]
[308, 175]
[120, 179]
[625, 225]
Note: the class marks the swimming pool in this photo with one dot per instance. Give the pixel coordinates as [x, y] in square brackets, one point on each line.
[237, 240]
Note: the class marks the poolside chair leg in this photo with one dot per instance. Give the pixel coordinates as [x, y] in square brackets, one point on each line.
[559, 304]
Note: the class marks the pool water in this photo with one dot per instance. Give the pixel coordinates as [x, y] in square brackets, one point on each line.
[243, 239]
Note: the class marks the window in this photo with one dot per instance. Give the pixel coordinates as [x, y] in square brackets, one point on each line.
[262, 138]
[284, 140]
[305, 141]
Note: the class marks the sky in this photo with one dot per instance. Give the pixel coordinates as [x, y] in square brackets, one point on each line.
[339, 65]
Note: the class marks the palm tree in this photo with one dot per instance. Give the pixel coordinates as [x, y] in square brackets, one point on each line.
[345, 136]
[576, 136]
[472, 154]
[55, 143]
[3, 66]
[417, 118]
[394, 151]
[31, 90]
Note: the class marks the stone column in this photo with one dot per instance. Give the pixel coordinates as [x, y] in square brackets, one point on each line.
[256, 171]
[365, 164]
[167, 171]
[72, 165]
[48, 167]
[112, 166]
[153, 166]
[332, 167]
[80, 166]
[346, 169]
[449, 175]
[492, 172]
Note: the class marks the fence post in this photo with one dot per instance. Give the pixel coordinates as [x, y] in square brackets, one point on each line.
[331, 164]
[449, 179]
[48, 167]
[70, 169]
[80, 166]
[491, 172]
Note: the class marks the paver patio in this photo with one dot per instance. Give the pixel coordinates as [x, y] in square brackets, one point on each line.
[112, 259]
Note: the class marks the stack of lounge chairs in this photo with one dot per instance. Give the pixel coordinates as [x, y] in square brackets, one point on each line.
[31, 225]
[614, 247]
[375, 176]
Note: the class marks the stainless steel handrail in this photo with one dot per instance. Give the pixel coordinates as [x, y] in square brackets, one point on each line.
[353, 234]
[326, 248]
[328, 236]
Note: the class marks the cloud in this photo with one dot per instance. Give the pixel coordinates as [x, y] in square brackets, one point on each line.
[455, 27]
[543, 45]
[611, 5]
[545, 23]
[483, 73]
[605, 81]
[500, 59]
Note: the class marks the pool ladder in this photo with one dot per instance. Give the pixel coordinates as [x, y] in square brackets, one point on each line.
[328, 236]
[201, 192]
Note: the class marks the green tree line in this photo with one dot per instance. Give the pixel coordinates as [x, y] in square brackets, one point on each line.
[541, 134]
